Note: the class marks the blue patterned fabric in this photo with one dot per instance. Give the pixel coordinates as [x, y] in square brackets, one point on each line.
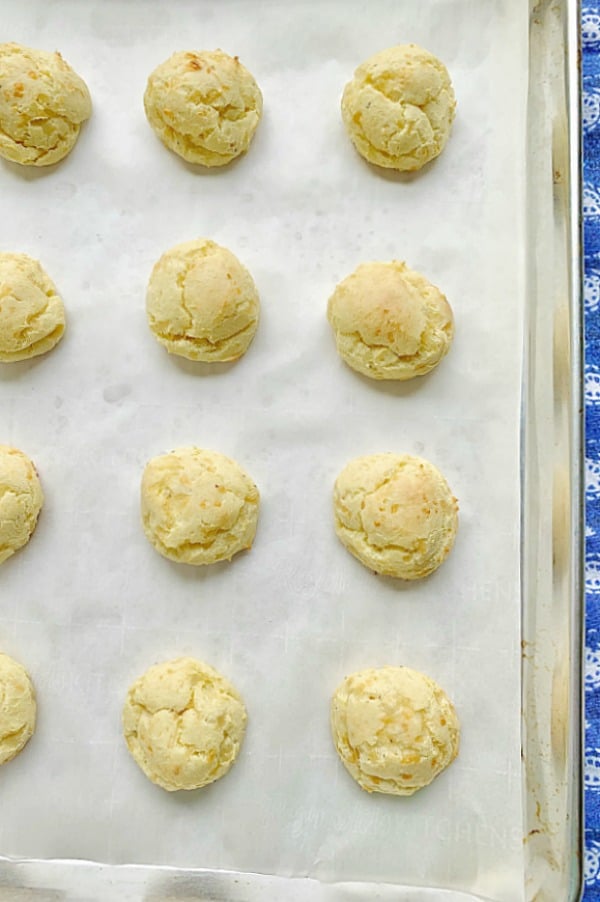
[591, 212]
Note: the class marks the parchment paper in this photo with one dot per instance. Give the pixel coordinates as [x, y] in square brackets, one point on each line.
[89, 605]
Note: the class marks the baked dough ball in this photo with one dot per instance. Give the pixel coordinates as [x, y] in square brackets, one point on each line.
[17, 708]
[396, 514]
[202, 303]
[399, 107]
[390, 322]
[198, 506]
[183, 724]
[203, 105]
[32, 315]
[42, 105]
[21, 500]
[394, 728]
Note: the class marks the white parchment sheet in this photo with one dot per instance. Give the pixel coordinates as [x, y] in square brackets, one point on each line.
[89, 605]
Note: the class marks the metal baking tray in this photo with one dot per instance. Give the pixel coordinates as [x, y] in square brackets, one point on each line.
[548, 837]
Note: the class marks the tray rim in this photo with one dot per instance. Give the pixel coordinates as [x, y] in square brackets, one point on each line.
[570, 440]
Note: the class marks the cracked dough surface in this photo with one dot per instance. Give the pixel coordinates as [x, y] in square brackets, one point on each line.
[43, 103]
[204, 105]
[390, 322]
[396, 514]
[32, 315]
[198, 506]
[21, 500]
[183, 724]
[394, 728]
[202, 303]
[17, 708]
[399, 107]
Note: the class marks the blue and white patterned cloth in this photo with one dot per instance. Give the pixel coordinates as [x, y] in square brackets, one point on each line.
[591, 212]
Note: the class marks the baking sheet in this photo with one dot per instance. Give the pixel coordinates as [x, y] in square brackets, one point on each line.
[89, 605]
